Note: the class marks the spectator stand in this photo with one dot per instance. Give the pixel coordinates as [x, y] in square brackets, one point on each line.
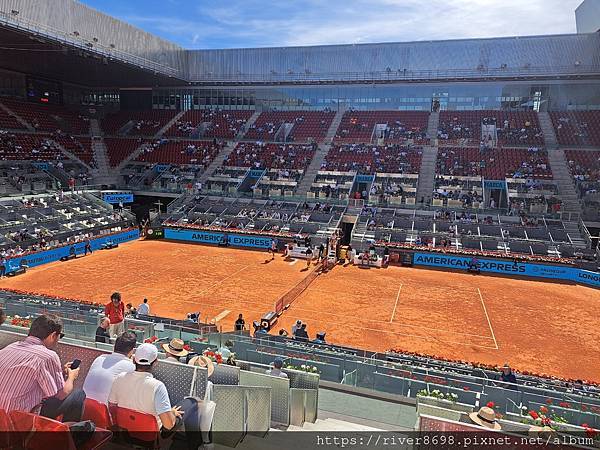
[585, 169]
[332, 185]
[533, 196]
[278, 183]
[226, 180]
[458, 192]
[19, 178]
[393, 189]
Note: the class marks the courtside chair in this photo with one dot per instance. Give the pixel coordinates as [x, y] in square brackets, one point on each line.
[141, 428]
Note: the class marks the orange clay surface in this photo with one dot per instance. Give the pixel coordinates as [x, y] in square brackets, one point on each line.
[537, 326]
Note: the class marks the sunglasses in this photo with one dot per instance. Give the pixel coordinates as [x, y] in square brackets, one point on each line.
[61, 335]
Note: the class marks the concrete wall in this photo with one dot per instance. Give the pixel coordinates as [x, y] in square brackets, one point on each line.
[587, 16]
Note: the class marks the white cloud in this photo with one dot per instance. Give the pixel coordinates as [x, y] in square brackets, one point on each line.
[248, 23]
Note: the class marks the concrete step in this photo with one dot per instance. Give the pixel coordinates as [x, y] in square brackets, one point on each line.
[18, 118]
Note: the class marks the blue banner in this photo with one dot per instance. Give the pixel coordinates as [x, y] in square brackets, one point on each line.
[39, 258]
[118, 198]
[41, 165]
[364, 178]
[207, 237]
[256, 173]
[509, 268]
[161, 167]
[495, 184]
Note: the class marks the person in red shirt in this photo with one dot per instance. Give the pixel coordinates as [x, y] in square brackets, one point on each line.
[115, 311]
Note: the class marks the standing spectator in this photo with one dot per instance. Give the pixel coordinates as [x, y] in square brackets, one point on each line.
[88, 247]
[301, 333]
[115, 311]
[102, 334]
[140, 391]
[240, 323]
[106, 368]
[296, 327]
[276, 370]
[32, 379]
[144, 308]
[3, 267]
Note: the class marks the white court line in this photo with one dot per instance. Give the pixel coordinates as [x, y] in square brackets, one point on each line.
[221, 281]
[293, 262]
[488, 319]
[396, 305]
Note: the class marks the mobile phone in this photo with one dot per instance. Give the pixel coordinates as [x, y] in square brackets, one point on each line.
[75, 364]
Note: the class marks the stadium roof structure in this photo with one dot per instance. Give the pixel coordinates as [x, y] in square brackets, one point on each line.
[62, 34]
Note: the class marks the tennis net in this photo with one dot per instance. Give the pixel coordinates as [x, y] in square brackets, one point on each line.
[291, 295]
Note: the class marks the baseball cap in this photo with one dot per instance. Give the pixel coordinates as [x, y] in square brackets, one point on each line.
[145, 354]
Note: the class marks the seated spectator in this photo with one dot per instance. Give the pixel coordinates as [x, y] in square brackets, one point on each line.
[226, 350]
[144, 308]
[175, 350]
[276, 370]
[320, 339]
[140, 391]
[31, 376]
[102, 334]
[507, 375]
[301, 333]
[106, 368]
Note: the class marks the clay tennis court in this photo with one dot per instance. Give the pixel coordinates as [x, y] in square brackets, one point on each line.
[542, 327]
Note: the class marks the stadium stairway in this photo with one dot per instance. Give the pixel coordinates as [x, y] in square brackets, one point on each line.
[335, 123]
[427, 173]
[564, 179]
[433, 125]
[169, 124]
[134, 154]
[248, 124]
[547, 130]
[95, 128]
[104, 172]
[18, 118]
[311, 171]
[218, 161]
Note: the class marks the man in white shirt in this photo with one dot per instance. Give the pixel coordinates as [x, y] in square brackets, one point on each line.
[142, 392]
[106, 368]
[144, 308]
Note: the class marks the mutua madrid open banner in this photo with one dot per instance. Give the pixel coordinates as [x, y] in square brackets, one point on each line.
[509, 268]
[39, 258]
[207, 237]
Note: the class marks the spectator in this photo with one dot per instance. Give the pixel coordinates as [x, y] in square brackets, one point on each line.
[106, 368]
[3, 265]
[240, 323]
[276, 370]
[102, 334]
[259, 331]
[485, 417]
[226, 350]
[115, 311]
[2, 316]
[507, 375]
[175, 350]
[320, 339]
[140, 391]
[296, 327]
[301, 333]
[32, 379]
[144, 308]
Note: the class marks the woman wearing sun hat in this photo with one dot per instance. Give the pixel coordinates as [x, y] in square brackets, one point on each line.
[175, 350]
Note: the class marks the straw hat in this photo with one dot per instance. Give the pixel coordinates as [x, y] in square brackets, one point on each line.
[204, 362]
[175, 347]
[486, 418]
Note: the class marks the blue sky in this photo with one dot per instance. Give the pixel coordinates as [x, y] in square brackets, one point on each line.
[198, 24]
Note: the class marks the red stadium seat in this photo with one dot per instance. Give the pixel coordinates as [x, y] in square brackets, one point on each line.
[141, 427]
[40, 433]
[97, 412]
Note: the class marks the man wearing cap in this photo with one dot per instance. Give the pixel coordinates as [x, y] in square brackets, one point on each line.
[276, 370]
[115, 311]
[296, 327]
[142, 392]
[174, 350]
